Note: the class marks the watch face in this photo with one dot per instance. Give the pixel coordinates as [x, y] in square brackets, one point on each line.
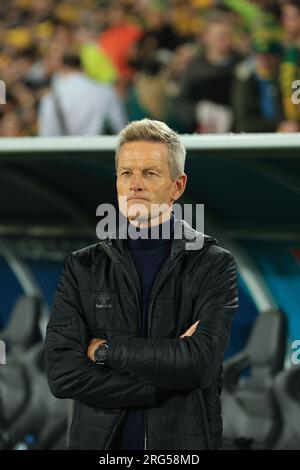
[100, 353]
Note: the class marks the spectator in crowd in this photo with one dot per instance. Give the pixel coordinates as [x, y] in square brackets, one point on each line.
[118, 41]
[180, 60]
[12, 120]
[148, 97]
[290, 20]
[159, 34]
[290, 66]
[256, 99]
[119, 38]
[156, 83]
[178, 63]
[209, 75]
[95, 62]
[77, 105]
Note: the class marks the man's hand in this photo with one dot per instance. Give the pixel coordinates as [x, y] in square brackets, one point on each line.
[93, 345]
[191, 330]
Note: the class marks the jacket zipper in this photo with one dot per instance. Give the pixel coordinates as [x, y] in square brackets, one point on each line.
[157, 282]
[140, 325]
[154, 290]
[152, 296]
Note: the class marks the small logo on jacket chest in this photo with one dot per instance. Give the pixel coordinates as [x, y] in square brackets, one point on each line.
[103, 301]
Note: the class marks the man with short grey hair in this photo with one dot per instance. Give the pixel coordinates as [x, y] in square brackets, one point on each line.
[140, 323]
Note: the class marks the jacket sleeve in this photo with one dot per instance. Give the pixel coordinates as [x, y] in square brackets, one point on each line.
[189, 362]
[70, 372]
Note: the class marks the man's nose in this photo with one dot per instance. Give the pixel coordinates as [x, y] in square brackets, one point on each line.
[136, 182]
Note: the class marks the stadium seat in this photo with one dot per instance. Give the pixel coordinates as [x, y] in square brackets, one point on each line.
[287, 392]
[23, 329]
[250, 415]
[31, 417]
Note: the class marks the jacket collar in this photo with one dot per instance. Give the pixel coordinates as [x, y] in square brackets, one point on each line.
[184, 237]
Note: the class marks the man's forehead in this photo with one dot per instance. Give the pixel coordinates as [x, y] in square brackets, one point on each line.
[133, 152]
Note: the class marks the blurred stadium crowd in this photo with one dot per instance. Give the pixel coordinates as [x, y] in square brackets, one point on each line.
[87, 68]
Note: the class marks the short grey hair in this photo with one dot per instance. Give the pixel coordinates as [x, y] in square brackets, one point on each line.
[150, 130]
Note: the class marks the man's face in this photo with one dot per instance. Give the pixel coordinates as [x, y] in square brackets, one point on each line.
[144, 180]
[290, 18]
[218, 38]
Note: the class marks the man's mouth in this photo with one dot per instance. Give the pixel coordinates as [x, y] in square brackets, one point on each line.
[140, 198]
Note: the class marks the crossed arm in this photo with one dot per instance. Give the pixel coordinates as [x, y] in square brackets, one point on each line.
[95, 342]
[70, 372]
[194, 360]
[138, 368]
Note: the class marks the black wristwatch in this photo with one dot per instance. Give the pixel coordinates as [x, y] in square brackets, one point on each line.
[100, 354]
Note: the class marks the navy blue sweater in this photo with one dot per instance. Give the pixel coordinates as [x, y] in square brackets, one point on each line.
[149, 256]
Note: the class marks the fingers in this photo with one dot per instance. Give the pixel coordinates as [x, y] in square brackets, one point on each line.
[191, 330]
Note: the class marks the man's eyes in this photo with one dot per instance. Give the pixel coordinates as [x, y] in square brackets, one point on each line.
[147, 173]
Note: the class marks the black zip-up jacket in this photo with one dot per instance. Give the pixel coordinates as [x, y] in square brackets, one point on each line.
[177, 381]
